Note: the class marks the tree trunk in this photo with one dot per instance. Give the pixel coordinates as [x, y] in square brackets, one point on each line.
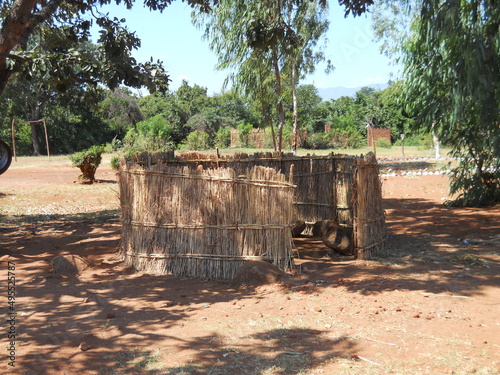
[35, 115]
[435, 140]
[265, 112]
[16, 28]
[34, 140]
[295, 108]
[281, 110]
[10, 34]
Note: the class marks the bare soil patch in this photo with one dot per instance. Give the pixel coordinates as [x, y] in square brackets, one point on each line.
[429, 306]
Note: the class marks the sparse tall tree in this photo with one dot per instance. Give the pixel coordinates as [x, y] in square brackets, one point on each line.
[264, 39]
[452, 85]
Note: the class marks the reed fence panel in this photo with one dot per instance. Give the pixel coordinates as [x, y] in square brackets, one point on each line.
[204, 223]
[332, 187]
[369, 230]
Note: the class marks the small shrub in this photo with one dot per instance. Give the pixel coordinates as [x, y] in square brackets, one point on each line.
[197, 140]
[319, 141]
[113, 146]
[223, 137]
[88, 160]
[244, 131]
[383, 143]
[153, 134]
[115, 163]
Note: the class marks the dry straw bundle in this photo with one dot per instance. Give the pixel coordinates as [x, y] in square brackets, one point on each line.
[196, 222]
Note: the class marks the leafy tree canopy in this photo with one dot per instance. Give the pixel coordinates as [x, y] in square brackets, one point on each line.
[50, 35]
[451, 55]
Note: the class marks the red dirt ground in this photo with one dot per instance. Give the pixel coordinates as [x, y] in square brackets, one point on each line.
[429, 306]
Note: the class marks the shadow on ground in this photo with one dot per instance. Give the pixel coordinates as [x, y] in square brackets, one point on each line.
[116, 310]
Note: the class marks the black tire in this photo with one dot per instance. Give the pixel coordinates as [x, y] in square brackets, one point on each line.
[5, 157]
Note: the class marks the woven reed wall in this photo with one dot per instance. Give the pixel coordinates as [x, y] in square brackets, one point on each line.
[369, 217]
[339, 187]
[204, 223]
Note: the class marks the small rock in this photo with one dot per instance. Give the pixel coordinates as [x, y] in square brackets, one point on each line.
[318, 309]
[110, 315]
[257, 272]
[70, 264]
[84, 346]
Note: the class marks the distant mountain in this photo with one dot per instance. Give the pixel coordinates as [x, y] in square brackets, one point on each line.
[336, 92]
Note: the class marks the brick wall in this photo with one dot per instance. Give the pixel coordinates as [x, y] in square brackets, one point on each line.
[377, 133]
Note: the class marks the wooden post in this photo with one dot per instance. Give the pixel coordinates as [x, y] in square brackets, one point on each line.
[46, 137]
[29, 122]
[13, 131]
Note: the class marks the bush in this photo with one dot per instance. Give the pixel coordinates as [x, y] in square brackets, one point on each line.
[383, 143]
[113, 146]
[197, 140]
[423, 140]
[318, 141]
[153, 134]
[336, 138]
[476, 188]
[88, 160]
[244, 131]
[223, 137]
[115, 162]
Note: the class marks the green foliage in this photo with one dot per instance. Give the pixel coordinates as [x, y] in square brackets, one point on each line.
[319, 141]
[113, 146]
[88, 161]
[452, 86]
[336, 138]
[244, 133]
[50, 39]
[223, 137]
[92, 156]
[120, 110]
[416, 138]
[153, 134]
[476, 188]
[207, 121]
[264, 43]
[24, 145]
[115, 163]
[197, 141]
[383, 143]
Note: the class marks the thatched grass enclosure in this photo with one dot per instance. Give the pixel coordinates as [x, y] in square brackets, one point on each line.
[204, 222]
[333, 187]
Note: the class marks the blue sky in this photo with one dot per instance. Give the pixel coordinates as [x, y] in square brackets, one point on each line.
[170, 37]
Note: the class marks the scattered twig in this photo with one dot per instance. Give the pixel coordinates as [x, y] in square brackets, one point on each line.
[381, 342]
[443, 295]
[367, 360]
